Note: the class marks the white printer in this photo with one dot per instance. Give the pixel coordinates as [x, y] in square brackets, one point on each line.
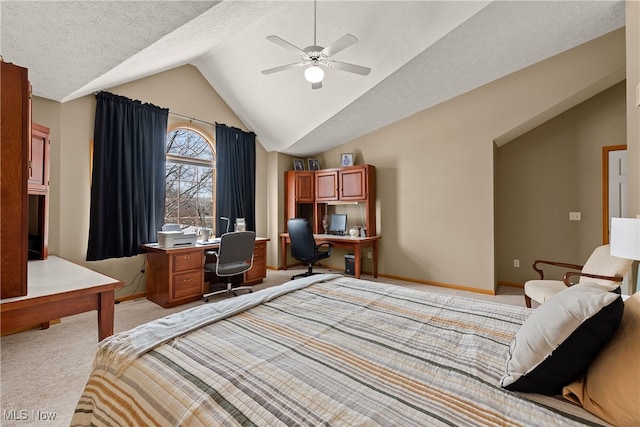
[172, 236]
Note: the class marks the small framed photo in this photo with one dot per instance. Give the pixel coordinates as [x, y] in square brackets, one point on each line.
[314, 164]
[346, 159]
[298, 164]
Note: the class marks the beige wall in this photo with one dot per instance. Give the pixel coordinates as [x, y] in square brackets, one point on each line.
[436, 168]
[549, 172]
[183, 91]
[632, 16]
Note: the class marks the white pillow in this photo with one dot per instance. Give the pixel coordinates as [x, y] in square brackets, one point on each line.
[556, 344]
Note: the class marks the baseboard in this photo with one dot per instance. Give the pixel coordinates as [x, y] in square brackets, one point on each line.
[511, 284]
[439, 284]
[130, 297]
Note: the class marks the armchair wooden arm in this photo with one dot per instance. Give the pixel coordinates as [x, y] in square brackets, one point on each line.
[567, 277]
[554, 263]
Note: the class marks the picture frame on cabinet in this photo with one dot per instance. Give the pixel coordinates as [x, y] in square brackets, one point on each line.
[346, 159]
[314, 164]
[298, 164]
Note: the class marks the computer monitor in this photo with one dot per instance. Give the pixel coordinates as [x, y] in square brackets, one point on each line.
[338, 224]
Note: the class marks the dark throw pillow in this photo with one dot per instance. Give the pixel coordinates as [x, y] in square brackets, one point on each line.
[557, 343]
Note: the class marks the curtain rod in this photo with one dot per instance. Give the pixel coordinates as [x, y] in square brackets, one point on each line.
[191, 118]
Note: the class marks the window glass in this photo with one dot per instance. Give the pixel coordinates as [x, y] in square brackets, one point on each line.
[190, 179]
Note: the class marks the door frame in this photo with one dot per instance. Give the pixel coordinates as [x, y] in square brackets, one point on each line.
[605, 189]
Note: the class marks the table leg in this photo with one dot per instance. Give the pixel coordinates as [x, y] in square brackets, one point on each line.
[358, 263]
[105, 314]
[283, 246]
[375, 258]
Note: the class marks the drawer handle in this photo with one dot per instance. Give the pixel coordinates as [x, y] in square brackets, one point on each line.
[187, 257]
[190, 279]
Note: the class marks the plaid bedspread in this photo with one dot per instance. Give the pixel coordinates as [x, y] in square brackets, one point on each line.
[344, 352]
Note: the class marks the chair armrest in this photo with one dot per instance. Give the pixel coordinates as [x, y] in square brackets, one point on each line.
[329, 245]
[555, 264]
[570, 274]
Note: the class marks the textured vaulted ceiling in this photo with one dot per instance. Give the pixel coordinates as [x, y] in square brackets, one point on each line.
[421, 53]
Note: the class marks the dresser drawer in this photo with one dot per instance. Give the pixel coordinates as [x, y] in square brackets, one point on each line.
[187, 261]
[187, 284]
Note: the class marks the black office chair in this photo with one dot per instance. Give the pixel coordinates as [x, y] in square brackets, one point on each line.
[233, 257]
[303, 245]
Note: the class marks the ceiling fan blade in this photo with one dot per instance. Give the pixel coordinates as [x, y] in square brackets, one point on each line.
[340, 44]
[283, 67]
[316, 85]
[352, 68]
[285, 44]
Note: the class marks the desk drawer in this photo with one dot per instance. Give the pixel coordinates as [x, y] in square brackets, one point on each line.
[260, 251]
[187, 284]
[187, 261]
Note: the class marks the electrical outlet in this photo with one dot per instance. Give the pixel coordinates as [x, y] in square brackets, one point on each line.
[370, 255]
[574, 216]
[516, 263]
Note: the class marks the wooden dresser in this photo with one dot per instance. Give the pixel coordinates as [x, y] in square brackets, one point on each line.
[176, 276]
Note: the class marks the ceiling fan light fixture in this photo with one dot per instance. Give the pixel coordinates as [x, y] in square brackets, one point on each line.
[314, 74]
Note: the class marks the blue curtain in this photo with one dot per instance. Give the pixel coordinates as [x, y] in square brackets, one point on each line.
[236, 177]
[128, 181]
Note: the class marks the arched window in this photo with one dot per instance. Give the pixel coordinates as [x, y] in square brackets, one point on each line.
[190, 178]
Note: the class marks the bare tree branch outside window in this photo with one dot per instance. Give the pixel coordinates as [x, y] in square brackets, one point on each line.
[190, 179]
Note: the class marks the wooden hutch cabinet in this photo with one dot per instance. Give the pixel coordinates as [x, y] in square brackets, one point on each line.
[38, 190]
[15, 120]
[347, 184]
[39, 158]
[350, 184]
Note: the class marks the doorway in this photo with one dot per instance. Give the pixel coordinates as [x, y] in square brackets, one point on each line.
[614, 186]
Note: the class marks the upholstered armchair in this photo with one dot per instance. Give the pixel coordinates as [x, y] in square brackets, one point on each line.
[600, 268]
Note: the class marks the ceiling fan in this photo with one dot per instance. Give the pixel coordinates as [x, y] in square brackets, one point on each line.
[313, 57]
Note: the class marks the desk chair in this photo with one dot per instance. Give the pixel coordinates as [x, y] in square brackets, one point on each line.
[234, 256]
[601, 268]
[303, 245]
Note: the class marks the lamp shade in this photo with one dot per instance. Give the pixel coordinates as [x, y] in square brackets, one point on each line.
[625, 238]
[314, 74]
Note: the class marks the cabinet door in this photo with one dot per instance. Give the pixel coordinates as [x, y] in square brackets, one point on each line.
[326, 185]
[353, 184]
[304, 187]
[39, 158]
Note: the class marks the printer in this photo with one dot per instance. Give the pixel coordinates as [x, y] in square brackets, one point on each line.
[172, 236]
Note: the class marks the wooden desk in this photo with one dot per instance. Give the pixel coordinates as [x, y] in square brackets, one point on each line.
[58, 288]
[356, 244]
[176, 275]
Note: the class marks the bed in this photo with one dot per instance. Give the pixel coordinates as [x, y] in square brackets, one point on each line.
[325, 350]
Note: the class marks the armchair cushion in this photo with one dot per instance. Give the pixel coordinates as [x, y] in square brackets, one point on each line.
[603, 264]
[558, 341]
[542, 290]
